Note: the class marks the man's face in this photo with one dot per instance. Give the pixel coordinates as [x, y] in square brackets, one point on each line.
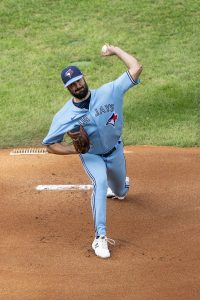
[78, 89]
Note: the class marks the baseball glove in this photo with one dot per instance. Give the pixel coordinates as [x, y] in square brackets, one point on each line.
[80, 139]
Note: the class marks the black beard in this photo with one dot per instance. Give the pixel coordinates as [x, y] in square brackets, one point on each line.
[82, 93]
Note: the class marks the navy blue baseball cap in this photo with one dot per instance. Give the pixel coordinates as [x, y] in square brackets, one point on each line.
[70, 75]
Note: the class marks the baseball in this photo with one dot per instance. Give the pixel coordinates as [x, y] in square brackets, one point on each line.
[104, 49]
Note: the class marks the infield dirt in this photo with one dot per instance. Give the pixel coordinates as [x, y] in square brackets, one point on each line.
[46, 236]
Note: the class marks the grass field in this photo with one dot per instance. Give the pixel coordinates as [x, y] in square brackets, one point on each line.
[39, 38]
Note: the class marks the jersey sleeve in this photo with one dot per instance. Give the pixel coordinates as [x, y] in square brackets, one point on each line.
[59, 126]
[55, 134]
[125, 82]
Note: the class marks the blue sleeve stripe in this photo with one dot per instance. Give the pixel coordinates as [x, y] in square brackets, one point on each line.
[131, 78]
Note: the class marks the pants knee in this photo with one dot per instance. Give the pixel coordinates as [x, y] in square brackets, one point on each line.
[102, 184]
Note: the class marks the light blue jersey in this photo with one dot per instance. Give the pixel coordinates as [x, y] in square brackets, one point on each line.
[103, 121]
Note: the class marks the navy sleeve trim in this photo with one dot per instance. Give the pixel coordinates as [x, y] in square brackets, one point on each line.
[131, 78]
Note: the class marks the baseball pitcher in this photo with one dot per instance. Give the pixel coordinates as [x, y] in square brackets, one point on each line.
[94, 121]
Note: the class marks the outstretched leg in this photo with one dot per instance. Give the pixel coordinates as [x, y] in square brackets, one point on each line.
[95, 168]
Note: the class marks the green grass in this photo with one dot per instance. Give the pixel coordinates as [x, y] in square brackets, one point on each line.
[39, 38]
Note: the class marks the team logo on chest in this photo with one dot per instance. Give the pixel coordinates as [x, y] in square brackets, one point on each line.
[112, 119]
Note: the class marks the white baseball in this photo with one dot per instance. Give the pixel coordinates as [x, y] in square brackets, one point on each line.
[104, 49]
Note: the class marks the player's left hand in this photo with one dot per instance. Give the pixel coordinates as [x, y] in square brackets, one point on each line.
[80, 139]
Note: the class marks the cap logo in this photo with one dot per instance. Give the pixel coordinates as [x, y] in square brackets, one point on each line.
[69, 73]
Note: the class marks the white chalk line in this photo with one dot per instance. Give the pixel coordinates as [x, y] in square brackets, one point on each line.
[28, 151]
[62, 187]
[38, 151]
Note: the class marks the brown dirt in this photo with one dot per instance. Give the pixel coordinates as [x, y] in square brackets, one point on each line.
[45, 237]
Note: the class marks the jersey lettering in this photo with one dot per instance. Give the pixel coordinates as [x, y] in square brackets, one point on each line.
[104, 109]
[84, 120]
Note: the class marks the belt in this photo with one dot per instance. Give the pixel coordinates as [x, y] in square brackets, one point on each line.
[110, 152]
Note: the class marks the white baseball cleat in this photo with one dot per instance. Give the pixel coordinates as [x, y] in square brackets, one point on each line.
[100, 246]
[110, 193]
